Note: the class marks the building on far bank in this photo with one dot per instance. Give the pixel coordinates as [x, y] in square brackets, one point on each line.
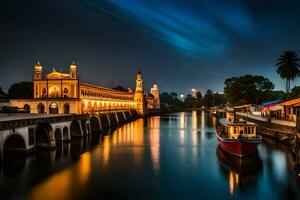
[63, 93]
[153, 98]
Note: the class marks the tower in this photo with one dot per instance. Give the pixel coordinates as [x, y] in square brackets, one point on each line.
[139, 98]
[73, 71]
[38, 69]
[155, 92]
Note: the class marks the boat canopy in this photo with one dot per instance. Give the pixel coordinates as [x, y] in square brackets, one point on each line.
[225, 122]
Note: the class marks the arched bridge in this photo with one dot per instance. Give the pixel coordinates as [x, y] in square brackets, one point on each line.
[28, 133]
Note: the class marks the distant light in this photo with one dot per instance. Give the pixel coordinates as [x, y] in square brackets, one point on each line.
[182, 96]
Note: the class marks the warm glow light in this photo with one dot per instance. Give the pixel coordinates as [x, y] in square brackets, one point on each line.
[154, 142]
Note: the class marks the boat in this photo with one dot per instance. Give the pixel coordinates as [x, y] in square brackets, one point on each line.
[237, 137]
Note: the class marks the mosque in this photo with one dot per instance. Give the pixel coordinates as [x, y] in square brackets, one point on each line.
[63, 93]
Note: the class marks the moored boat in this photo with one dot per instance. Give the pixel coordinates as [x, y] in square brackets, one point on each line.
[237, 137]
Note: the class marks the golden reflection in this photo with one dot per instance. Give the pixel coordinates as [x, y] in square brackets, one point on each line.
[233, 181]
[194, 136]
[194, 127]
[182, 126]
[214, 121]
[106, 149]
[202, 125]
[63, 184]
[138, 141]
[154, 142]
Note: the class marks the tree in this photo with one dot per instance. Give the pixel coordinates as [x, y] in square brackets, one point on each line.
[288, 67]
[174, 95]
[120, 88]
[208, 99]
[3, 95]
[295, 92]
[22, 90]
[199, 95]
[247, 89]
[167, 101]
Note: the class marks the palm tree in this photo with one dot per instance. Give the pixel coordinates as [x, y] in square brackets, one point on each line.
[288, 67]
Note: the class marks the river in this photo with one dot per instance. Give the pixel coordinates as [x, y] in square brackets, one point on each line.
[173, 156]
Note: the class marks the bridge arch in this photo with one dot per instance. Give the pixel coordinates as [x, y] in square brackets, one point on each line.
[58, 135]
[95, 124]
[41, 108]
[13, 143]
[104, 121]
[75, 129]
[44, 136]
[88, 128]
[66, 135]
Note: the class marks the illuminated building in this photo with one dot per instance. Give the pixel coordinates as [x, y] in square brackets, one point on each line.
[155, 93]
[63, 93]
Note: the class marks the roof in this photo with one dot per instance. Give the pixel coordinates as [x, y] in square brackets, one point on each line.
[243, 106]
[104, 88]
[225, 122]
[292, 102]
[270, 103]
[57, 75]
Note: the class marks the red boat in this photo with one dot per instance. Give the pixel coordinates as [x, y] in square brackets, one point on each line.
[237, 138]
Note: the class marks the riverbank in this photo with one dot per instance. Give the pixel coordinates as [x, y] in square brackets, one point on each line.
[284, 134]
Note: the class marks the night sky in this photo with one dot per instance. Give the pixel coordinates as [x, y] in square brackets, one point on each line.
[178, 44]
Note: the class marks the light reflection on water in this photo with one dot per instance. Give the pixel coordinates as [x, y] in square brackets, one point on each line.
[171, 156]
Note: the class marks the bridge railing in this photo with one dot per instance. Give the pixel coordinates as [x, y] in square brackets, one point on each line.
[110, 111]
[34, 120]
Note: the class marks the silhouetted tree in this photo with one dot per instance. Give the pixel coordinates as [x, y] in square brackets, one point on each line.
[295, 92]
[174, 95]
[120, 88]
[288, 67]
[3, 95]
[22, 90]
[247, 89]
[167, 101]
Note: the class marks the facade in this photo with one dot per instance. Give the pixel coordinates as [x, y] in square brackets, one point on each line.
[63, 93]
[156, 101]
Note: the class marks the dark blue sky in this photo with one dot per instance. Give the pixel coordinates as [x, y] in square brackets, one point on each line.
[178, 44]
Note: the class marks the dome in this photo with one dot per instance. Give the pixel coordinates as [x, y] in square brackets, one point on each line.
[73, 66]
[38, 66]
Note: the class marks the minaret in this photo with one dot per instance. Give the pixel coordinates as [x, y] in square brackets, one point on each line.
[38, 69]
[155, 92]
[139, 98]
[73, 71]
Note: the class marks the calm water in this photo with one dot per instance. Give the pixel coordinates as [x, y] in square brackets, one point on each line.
[169, 157]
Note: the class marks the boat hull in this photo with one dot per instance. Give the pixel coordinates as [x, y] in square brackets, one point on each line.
[239, 147]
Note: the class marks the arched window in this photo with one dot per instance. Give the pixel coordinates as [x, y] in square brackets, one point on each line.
[53, 108]
[26, 108]
[44, 93]
[66, 108]
[66, 92]
[54, 92]
[41, 108]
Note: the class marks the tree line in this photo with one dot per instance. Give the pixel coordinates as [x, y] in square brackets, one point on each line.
[209, 99]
